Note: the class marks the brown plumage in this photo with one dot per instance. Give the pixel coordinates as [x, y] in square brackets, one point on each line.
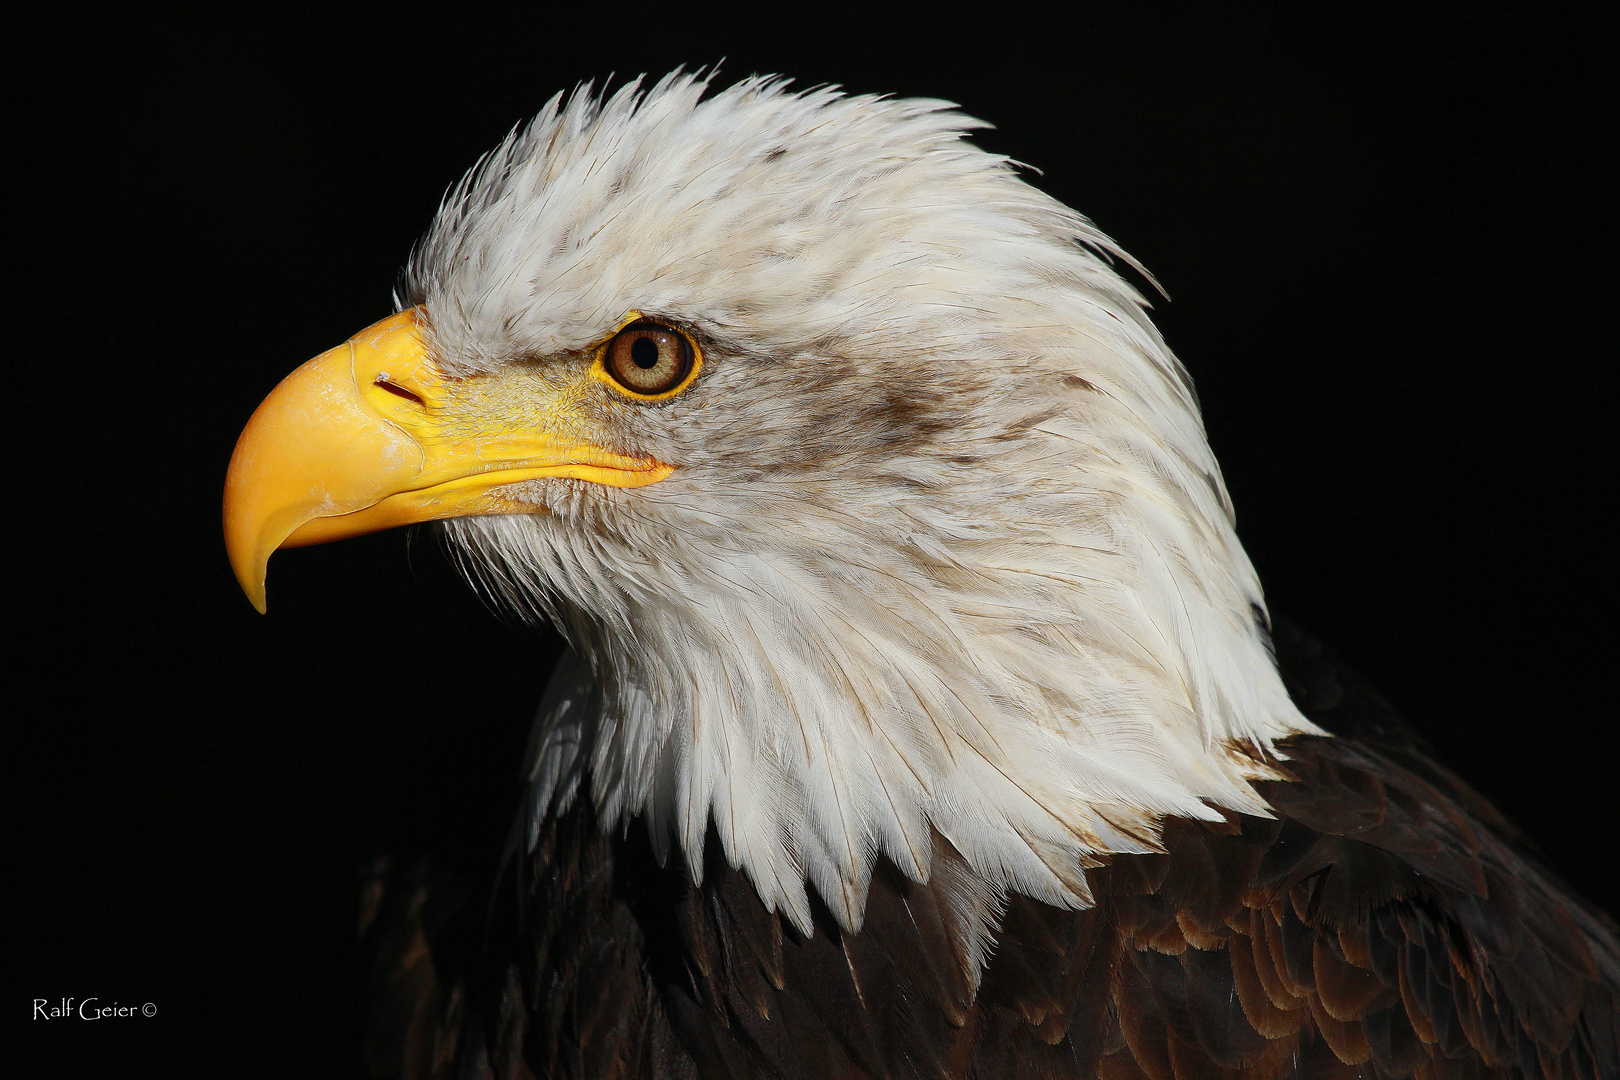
[1387, 922]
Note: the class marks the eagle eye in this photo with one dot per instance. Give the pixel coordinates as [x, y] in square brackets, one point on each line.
[649, 359]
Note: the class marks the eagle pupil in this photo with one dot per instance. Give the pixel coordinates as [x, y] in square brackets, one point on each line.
[644, 351]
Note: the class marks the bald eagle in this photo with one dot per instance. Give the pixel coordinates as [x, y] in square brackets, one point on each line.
[922, 715]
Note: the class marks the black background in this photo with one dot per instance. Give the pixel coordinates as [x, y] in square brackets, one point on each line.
[1385, 230]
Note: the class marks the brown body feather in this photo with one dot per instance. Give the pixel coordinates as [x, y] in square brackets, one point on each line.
[1387, 922]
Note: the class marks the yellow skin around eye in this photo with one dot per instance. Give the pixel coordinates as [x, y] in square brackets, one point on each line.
[600, 372]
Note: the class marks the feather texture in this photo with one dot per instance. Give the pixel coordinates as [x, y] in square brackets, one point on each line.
[1375, 926]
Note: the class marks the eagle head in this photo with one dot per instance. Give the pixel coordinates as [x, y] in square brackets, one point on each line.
[877, 513]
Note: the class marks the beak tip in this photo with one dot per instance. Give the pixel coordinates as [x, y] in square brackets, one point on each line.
[253, 589]
[250, 571]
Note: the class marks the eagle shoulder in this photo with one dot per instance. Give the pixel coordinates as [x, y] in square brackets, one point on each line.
[1385, 922]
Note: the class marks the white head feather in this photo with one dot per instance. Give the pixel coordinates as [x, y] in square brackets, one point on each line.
[945, 548]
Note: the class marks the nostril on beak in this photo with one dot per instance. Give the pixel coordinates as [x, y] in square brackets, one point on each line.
[383, 381]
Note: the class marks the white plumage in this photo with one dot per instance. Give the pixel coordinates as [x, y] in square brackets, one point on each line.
[945, 547]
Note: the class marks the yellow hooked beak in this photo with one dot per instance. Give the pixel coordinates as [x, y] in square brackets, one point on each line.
[372, 434]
